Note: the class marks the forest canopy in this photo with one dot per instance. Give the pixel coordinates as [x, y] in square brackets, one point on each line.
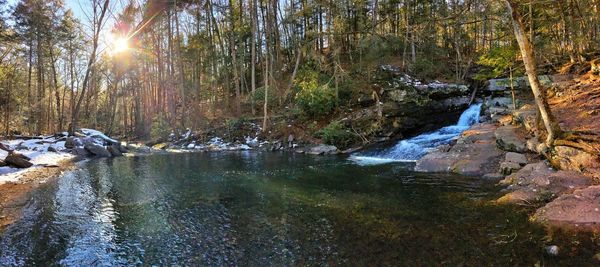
[141, 67]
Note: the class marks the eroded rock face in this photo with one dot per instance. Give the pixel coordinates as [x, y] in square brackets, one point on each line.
[568, 158]
[475, 153]
[580, 207]
[508, 139]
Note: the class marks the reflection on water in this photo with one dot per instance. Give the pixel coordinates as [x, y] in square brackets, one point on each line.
[271, 209]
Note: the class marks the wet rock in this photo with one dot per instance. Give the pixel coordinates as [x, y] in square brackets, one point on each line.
[114, 150]
[97, 150]
[516, 158]
[580, 207]
[475, 153]
[73, 142]
[508, 139]
[17, 160]
[52, 149]
[323, 150]
[2, 163]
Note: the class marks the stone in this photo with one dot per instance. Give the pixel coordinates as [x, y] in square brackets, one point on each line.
[18, 161]
[80, 151]
[73, 142]
[595, 66]
[114, 150]
[474, 154]
[52, 149]
[160, 146]
[552, 250]
[507, 139]
[508, 167]
[97, 150]
[2, 163]
[323, 150]
[493, 176]
[516, 158]
[580, 207]
[568, 158]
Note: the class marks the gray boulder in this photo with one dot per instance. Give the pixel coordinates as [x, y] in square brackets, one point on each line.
[73, 142]
[507, 139]
[114, 150]
[323, 150]
[516, 158]
[80, 151]
[18, 160]
[97, 150]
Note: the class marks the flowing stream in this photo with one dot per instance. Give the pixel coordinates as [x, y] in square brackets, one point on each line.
[273, 209]
[412, 149]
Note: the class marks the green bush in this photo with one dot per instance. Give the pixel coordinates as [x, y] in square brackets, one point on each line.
[337, 134]
[313, 98]
[160, 128]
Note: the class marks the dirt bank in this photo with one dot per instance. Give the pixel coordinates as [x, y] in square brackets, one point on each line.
[15, 195]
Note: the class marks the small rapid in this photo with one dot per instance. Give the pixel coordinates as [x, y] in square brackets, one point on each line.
[412, 149]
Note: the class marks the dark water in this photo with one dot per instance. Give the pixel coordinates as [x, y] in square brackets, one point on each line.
[269, 209]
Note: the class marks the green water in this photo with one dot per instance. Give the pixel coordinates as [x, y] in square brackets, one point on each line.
[271, 209]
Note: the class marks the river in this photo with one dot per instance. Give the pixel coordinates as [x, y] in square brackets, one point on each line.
[274, 209]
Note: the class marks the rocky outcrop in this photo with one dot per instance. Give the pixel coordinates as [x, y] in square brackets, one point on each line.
[520, 83]
[475, 153]
[408, 105]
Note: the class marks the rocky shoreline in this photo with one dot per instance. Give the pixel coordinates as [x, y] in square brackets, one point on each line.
[505, 148]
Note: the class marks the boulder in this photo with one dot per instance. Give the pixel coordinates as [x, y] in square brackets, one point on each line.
[507, 139]
[18, 161]
[97, 150]
[52, 149]
[580, 207]
[323, 150]
[73, 142]
[114, 150]
[474, 153]
[568, 158]
[2, 163]
[160, 146]
[516, 158]
[533, 145]
[81, 152]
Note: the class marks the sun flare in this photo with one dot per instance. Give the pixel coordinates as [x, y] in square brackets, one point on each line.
[117, 44]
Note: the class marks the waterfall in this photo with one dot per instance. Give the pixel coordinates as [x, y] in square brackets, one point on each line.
[412, 149]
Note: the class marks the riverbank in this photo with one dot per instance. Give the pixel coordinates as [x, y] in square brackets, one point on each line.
[561, 183]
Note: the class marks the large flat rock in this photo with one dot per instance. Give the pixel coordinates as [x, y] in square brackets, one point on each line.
[580, 207]
[475, 154]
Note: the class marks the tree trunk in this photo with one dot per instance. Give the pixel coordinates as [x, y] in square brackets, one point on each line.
[527, 52]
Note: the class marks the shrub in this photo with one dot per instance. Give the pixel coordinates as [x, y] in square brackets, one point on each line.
[313, 98]
[160, 128]
[337, 134]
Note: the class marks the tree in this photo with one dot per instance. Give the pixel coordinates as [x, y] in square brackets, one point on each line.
[527, 52]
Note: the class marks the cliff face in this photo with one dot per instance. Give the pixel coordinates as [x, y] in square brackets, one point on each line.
[408, 106]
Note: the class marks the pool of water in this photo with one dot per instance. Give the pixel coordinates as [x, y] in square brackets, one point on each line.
[275, 209]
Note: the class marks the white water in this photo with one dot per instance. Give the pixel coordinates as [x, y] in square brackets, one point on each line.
[412, 149]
